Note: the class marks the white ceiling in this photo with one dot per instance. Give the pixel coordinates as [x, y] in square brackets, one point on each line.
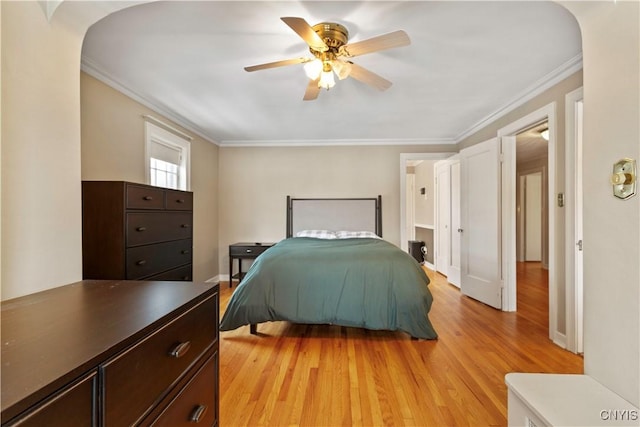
[468, 62]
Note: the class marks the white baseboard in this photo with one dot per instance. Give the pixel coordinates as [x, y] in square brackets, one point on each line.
[560, 339]
[217, 279]
[428, 265]
[223, 278]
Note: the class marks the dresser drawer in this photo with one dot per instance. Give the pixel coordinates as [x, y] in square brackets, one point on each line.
[181, 273]
[144, 197]
[178, 200]
[197, 401]
[155, 227]
[72, 407]
[144, 261]
[139, 378]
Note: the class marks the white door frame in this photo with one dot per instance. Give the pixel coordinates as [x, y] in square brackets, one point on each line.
[548, 112]
[404, 157]
[573, 223]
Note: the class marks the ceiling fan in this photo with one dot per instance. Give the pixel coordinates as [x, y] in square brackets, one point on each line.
[328, 43]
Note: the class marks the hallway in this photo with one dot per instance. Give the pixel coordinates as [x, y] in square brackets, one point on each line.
[533, 293]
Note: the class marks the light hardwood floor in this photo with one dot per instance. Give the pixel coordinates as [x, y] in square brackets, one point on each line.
[330, 375]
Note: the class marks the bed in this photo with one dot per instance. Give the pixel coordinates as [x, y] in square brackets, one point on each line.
[334, 268]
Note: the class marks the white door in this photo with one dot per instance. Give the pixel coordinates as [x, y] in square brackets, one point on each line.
[578, 232]
[411, 207]
[533, 217]
[574, 255]
[456, 228]
[480, 204]
[443, 208]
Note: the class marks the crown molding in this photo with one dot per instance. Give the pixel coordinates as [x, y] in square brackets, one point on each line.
[95, 71]
[546, 82]
[551, 79]
[336, 142]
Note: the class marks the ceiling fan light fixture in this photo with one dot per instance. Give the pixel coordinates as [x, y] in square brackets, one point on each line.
[326, 80]
[328, 42]
[341, 68]
[313, 69]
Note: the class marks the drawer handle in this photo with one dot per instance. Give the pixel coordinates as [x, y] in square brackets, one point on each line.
[180, 350]
[185, 226]
[141, 229]
[249, 251]
[141, 262]
[147, 198]
[185, 251]
[198, 413]
[180, 201]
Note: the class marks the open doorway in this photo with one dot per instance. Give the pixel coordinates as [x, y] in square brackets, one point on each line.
[408, 230]
[532, 218]
[544, 116]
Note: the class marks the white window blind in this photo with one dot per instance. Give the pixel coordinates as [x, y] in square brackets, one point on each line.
[167, 158]
[164, 152]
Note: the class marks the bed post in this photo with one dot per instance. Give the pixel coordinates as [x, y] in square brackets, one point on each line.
[289, 230]
[379, 216]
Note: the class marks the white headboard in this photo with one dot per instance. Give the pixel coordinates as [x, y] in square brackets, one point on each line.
[355, 214]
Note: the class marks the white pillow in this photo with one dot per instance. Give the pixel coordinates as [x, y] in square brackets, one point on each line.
[356, 235]
[317, 234]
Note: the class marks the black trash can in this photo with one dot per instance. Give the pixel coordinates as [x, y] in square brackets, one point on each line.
[415, 250]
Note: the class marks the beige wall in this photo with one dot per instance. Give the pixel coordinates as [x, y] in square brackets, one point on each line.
[611, 45]
[113, 147]
[254, 183]
[425, 205]
[41, 239]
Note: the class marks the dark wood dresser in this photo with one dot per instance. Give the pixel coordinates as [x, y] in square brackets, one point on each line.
[111, 353]
[136, 231]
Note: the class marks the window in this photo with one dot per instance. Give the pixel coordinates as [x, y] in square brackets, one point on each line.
[167, 158]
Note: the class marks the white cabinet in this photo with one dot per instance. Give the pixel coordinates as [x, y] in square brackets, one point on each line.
[565, 400]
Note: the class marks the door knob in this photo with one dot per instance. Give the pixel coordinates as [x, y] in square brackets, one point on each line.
[624, 178]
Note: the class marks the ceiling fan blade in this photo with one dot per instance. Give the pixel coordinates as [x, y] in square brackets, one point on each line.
[277, 64]
[304, 30]
[369, 77]
[312, 90]
[386, 41]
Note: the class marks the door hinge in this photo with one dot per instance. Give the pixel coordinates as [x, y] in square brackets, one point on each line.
[579, 245]
[501, 158]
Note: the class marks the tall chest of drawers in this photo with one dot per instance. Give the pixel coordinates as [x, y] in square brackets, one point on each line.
[136, 232]
[111, 353]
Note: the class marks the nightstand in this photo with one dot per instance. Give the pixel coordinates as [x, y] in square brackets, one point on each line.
[243, 250]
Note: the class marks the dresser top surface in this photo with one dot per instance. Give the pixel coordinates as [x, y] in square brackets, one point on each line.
[51, 337]
[128, 183]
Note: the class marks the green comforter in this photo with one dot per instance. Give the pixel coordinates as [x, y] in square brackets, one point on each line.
[366, 283]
